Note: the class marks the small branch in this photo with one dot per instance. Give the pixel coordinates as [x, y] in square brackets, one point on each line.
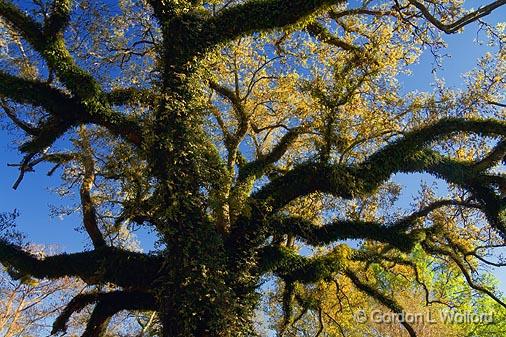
[378, 258]
[502, 105]
[404, 223]
[465, 20]
[217, 114]
[359, 11]
[233, 140]
[27, 165]
[23, 168]
[320, 32]
[474, 253]
[230, 96]
[258, 167]
[380, 297]
[291, 266]
[28, 128]
[460, 264]
[343, 230]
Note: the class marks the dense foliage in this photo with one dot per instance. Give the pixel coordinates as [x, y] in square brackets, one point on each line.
[243, 131]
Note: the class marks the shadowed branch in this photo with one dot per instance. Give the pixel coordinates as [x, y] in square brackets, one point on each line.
[108, 304]
[113, 265]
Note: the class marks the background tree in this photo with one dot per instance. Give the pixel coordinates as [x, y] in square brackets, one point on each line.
[238, 130]
[434, 291]
[25, 310]
[29, 306]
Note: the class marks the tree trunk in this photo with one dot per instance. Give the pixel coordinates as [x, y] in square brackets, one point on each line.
[198, 290]
[198, 299]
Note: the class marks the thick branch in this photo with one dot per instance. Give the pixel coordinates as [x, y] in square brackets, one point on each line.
[98, 321]
[344, 230]
[305, 179]
[291, 266]
[390, 233]
[163, 9]
[24, 25]
[52, 46]
[88, 208]
[36, 93]
[494, 157]
[65, 111]
[93, 105]
[124, 96]
[117, 266]
[406, 154]
[59, 17]
[108, 305]
[48, 131]
[259, 15]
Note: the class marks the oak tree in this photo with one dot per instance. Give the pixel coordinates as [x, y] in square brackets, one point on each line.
[236, 129]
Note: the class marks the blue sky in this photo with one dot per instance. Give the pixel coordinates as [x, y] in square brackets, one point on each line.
[33, 198]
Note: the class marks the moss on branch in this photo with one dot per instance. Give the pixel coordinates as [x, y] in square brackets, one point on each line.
[259, 15]
[58, 18]
[291, 266]
[408, 154]
[66, 112]
[35, 93]
[343, 230]
[124, 268]
[125, 96]
[22, 23]
[108, 304]
[405, 155]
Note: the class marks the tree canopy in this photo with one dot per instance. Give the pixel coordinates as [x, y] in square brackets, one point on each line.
[242, 131]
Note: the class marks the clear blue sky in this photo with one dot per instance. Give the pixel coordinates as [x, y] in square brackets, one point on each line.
[33, 198]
